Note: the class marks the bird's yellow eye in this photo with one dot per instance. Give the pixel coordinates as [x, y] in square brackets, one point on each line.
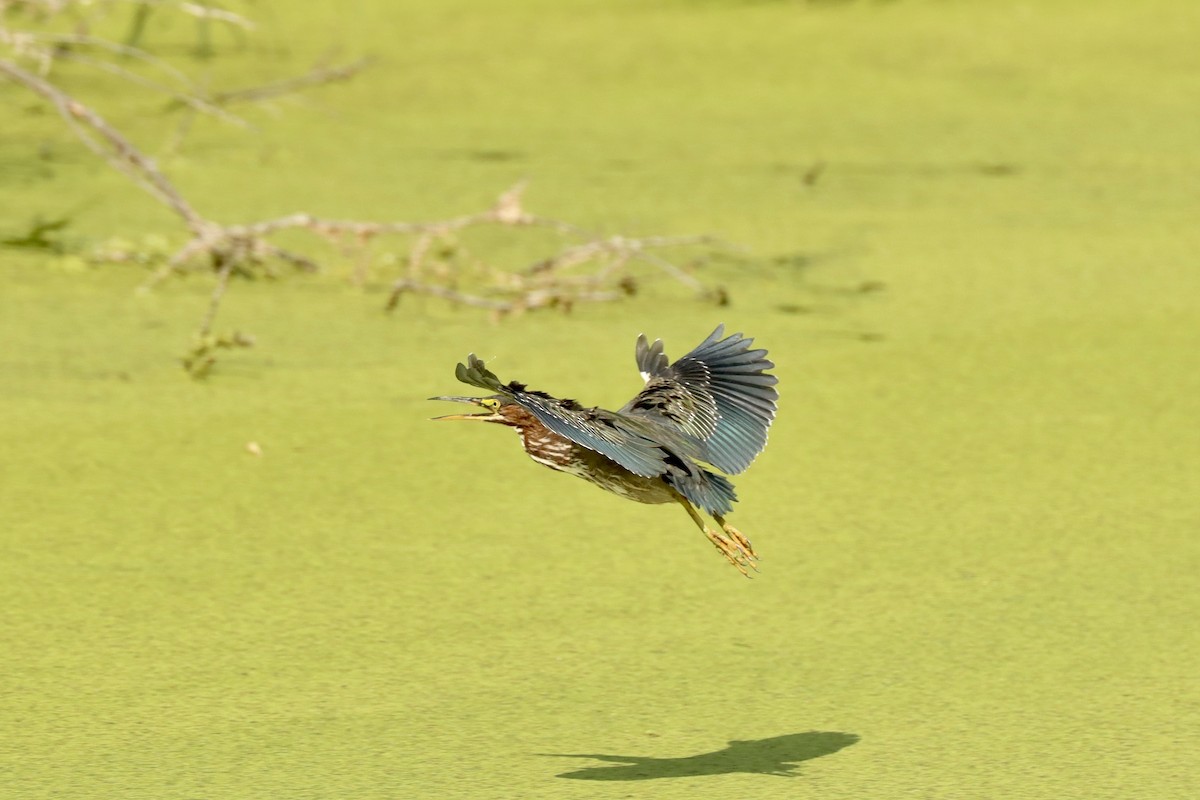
[490, 404]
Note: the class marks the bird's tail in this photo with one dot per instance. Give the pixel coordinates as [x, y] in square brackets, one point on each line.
[703, 489]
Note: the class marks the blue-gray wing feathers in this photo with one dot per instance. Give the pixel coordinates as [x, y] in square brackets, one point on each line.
[594, 428]
[718, 395]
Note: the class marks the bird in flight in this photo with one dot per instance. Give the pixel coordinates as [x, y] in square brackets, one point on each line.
[704, 414]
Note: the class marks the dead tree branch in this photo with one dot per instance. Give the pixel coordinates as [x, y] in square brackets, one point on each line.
[585, 268]
[119, 151]
[314, 77]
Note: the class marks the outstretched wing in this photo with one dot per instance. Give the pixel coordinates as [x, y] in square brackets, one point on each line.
[718, 396]
[594, 428]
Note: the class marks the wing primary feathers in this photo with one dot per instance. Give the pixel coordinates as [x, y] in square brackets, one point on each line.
[718, 395]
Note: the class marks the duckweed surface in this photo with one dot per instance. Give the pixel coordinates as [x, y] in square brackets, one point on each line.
[977, 511]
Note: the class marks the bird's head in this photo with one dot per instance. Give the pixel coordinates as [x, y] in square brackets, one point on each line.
[494, 409]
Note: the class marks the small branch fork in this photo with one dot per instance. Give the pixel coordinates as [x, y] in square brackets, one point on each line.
[435, 263]
[111, 145]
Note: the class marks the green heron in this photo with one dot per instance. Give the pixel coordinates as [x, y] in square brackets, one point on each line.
[711, 407]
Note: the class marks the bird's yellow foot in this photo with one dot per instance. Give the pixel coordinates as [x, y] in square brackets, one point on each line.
[741, 541]
[734, 553]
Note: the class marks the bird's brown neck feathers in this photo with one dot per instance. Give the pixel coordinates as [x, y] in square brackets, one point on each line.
[517, 417]
[542, 444]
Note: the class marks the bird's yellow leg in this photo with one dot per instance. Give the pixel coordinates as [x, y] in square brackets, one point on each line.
[737, 536]
[734, 553]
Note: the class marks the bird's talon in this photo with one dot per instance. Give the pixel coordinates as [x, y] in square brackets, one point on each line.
[733, 553]
[742, 542]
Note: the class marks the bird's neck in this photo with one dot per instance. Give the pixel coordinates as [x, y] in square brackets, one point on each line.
[542, 444]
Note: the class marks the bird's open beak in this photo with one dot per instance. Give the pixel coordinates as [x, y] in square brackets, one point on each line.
[482, 417]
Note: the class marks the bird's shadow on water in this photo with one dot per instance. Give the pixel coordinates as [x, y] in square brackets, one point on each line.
[777, 755]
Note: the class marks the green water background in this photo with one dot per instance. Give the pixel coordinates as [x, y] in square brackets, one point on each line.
[978, 525]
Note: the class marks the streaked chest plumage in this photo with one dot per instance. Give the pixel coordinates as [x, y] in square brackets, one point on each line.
[559, 453]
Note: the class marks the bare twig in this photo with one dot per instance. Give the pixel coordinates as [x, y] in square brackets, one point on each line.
[530, 301]
[314, 77]
[60, 41]
[190, 99]
[120, 151]
[205, 12]
[214, 301]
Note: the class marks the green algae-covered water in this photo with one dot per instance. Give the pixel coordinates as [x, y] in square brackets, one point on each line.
[978, 522]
